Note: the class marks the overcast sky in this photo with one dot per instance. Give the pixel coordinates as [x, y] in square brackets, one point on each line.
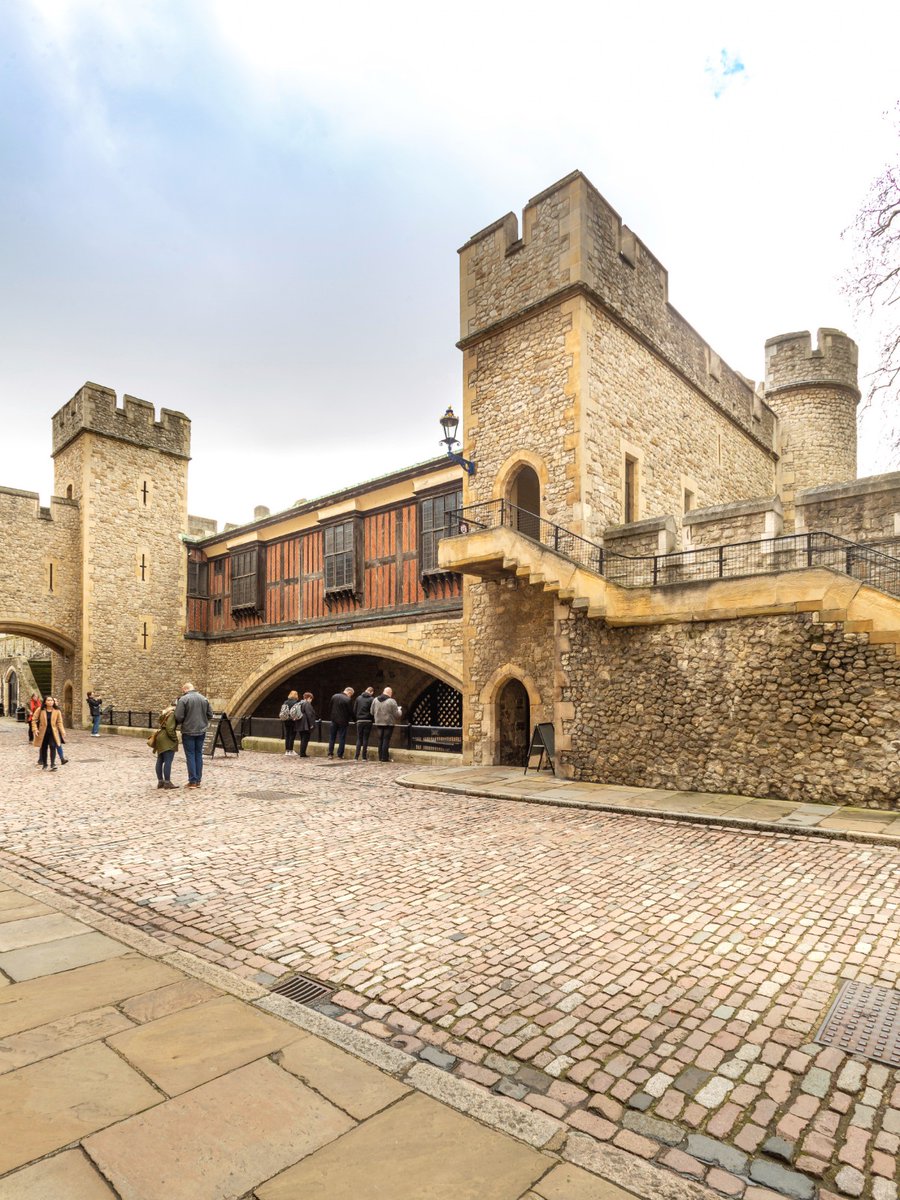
[250, 211]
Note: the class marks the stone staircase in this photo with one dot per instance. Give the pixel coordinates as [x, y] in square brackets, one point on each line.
[825, 592]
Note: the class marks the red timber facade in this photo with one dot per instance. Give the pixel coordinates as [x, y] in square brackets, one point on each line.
[352, 573]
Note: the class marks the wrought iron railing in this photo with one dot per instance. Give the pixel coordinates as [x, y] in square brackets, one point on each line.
[730, 561]
[447, 739]
[131, 718]
[493, 513]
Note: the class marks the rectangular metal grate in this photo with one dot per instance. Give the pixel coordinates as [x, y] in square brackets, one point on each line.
[267, 795]
[301, 989]
[864, 1019]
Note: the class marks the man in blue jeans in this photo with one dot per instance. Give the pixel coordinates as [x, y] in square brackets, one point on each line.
[193, 713]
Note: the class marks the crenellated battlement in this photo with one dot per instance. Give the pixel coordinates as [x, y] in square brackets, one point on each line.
[792, 361]
[573, 241]
[17, 506]
[94, 409]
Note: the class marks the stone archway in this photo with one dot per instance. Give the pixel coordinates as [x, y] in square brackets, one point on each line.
[512, 722]
[274, 673]
[11, 698]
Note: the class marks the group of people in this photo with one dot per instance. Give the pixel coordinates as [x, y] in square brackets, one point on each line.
[45, 727]
[370, 712]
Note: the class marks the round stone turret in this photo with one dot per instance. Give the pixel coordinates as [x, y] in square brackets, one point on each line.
[814, 393]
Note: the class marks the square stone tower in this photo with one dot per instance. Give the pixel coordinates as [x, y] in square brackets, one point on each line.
[127, 471]
[577, 368]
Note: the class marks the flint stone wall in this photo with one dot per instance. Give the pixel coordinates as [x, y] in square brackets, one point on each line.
[765, 706]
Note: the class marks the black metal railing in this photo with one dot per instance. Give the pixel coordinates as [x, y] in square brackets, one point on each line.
[131, 718]
[447, 739]
[729, 561]
[493, 513]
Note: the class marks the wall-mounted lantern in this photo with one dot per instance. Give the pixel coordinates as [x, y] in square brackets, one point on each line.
[450, 424]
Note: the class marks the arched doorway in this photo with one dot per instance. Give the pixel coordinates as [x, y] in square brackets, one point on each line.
[525, 494]
[513, 723]
[12, 693]
[68, 693]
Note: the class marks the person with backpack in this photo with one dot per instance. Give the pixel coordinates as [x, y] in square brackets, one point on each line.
[165, 743]
[363, 712]
[288, 721]
[305, 719]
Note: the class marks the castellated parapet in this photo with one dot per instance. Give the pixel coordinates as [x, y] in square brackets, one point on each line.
[573, 240]
[93, 409]
[814, 391]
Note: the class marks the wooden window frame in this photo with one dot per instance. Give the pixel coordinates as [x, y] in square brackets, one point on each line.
[431, 533]
[341, 557]
[248, 565]
[198, 579]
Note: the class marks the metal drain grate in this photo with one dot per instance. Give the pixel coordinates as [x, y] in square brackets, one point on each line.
[864, 1019]
[301, 989]
[264, 795]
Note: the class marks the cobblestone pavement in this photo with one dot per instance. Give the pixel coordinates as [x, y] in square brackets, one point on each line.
[652, 984]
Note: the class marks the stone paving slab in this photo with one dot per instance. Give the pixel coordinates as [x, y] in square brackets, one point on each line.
[66, 1176]
[48, 958]
[445, 1157]
[219, 1140]
[49, 1104]
[39, 1001]
[352, 1085]
[192, 1046]
[34, 930]
[20, 1049]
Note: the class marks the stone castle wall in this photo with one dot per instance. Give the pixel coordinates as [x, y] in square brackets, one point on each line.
[239, 672]
[638, 405]
[509, 632]
[519, 410]
[777, 706]
[32, 540]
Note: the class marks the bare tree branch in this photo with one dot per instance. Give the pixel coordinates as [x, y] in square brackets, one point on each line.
[874, 282]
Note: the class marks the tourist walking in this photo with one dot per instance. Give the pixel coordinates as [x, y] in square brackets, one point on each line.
[288, 721]
[48, 732]
[305, 719]
[62, 733]
[94, 704]
[340, 716]
[386, 712]
[165, 743]
[363, 712]
[193, 713]
[34, 706]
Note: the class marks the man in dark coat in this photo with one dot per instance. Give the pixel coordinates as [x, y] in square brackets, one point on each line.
[341, 716]
[363, 712]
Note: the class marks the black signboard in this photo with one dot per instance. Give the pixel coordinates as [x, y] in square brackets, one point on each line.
[219, 733]
[542, 742]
